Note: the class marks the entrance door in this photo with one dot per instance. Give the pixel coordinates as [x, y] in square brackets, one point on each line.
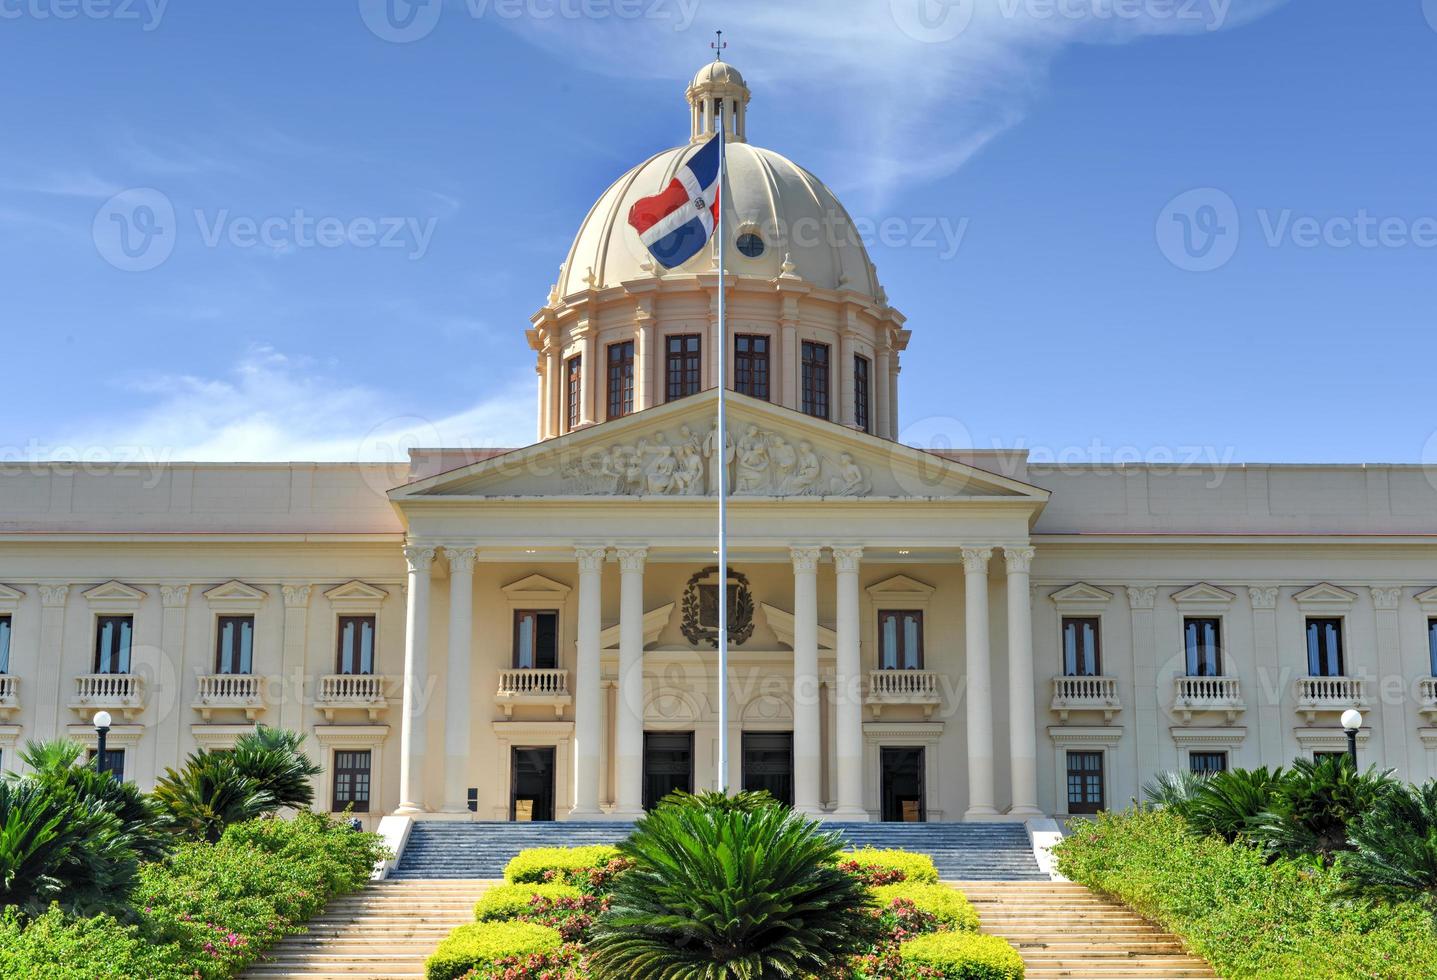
[668, 765]
[768, 764]
[532, 782]
[902, 782]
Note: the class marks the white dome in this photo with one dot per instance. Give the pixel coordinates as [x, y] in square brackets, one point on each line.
[717, 72]
[790, 209]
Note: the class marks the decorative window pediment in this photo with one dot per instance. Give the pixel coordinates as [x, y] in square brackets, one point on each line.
[1428, 600]
[781, 622]
[900, 588]
[236, 595]
[9, 598]
[537, 591]
[1325, 597]
[1081, 597]
[654, 622]
[356, 596]
[115, 596]
[1203, 596]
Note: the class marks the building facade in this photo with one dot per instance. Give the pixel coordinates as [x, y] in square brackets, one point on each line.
[529, 634]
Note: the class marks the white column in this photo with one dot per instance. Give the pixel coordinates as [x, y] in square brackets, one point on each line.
[416, 677]
[882, 378]
[807, 744]
[980, 684]
[1022, 720]
[588, 695]
[458, 701]
[846, 401]
[849, 727]
[629, 725]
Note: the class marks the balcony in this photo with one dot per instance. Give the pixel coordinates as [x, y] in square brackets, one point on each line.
[1194, 694]
[124, 693]
[1427, 697]
[533, 686]
[1325, 694]
[355, 692]
[9, 695]
[1086, 694]
[230, 692]
[890, 687]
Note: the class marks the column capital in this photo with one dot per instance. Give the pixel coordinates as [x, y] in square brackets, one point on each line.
[296, 596]
[1018, 558]
[1386, 596]
[1262, 596]
[805, 559]
[975, 560]
[846, 559]
[54, 596]
[174, 596]
[420, 557]
[631, 559]
[1142, 596]
[590, 559]
[461, 557]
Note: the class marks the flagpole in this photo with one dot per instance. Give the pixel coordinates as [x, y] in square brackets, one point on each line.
[721, 448]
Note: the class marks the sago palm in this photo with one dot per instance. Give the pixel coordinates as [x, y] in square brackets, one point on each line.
[1230, 803]
[58, 764]
[209, 794]
[1174, 788]
[724, 893]
[1395, 858]
[274, 759]
[1314, 804]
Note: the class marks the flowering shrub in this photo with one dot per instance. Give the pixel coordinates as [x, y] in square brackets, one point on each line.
[873, 866]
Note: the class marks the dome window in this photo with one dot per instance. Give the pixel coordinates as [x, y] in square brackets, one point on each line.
[750, 244]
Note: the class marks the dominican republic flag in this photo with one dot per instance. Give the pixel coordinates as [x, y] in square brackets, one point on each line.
[677, 222]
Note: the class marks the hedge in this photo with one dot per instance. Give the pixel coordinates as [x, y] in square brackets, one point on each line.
[963, 956]
[531, 866]
[1250, 918]
[207, 911]
[914, 867]
[482, 943]
[503, 902]
[948, 905]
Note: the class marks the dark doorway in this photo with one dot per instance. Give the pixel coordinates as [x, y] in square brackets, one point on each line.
[902, 782]
[668, 765]
[768, 764]
[532, 779]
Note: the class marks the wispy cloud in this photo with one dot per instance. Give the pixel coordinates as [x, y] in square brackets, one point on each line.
[272, 407]
[62, 184]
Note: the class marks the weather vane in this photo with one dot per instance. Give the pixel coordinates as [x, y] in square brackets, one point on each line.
[718, 44]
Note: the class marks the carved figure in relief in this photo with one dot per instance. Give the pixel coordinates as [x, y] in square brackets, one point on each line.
[689, 477]
[785, 458]
[805, 479]
[850, 481]
[661, 470]
[752, 469]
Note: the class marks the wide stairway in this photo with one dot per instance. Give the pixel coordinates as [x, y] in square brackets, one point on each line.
[442, 849]
[1062, 929]
[383, 932]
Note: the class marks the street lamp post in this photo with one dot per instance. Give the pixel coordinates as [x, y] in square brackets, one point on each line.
[1351, 723]
[102, 731]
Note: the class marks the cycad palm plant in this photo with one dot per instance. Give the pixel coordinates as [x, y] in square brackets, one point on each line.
[1315, 802]
[1396, 848]
[57, 764]
[209, 794]
[57, 848]
[724, 893]
[1174, 788]
[274, 758]
[1230, 803]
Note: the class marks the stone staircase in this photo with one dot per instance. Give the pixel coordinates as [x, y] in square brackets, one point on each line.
[383, 932]
[442, 849]
[1062, 929]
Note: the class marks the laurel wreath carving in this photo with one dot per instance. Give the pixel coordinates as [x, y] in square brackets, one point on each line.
[742, 626]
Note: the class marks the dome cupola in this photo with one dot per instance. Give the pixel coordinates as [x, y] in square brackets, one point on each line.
[717, 92]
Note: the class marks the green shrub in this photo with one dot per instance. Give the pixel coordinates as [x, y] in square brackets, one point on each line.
[56, 946]
[1249, 917]
[503, 902]
[963, 956]
[1230, 803]
[1312, 806]
[538, 864]
[881, 867]
[1396, 849]
[948, 905]
[483, 943]
[724, 894]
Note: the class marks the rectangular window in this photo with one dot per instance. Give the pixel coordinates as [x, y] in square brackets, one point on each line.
[234, 653]
[113, 762]
[536, 639]
[4, 644]
[900, 639]
[1207, 763]
[815, 379]
[1085, 782]
[1081, 656]
[1202, 638]
[356, 644]
[621, 379]
[750, 365]
[860, 392]
[1431, 644]
[113, 635]
[575, 376]
[351, 780]
[1324, 648]
[683, 366]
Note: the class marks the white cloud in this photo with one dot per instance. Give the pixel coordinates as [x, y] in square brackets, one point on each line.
[274, 408]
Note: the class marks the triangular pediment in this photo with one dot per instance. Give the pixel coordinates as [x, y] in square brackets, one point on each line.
[536, 588]
[1428, 598]
[114, 592]
[9, 595]
[1326, 592]
[1203, 594]
[654, 622]
[671, 451]
[236, 591]
[900, 588]
[1081, 593]
[781, 622]
[356, 591]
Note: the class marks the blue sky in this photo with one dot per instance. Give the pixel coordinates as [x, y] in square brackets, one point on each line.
[1062, 138]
